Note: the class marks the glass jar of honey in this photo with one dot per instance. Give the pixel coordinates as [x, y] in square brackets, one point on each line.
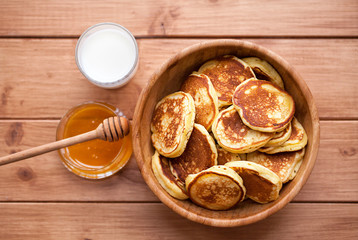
[93, 159]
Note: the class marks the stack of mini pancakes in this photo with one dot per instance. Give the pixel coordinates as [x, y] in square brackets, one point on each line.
[228, 134]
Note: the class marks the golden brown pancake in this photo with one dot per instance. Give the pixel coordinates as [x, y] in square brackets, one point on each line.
[200, 154]
[297, 140]
[263, 106]
[264, 71]
[225, 156]
[166, 179]
[280, 137]
[172, 123]
[283, 164]
[295, 170]
[226, 73]
[217, 188]
[262, 185]
[234, 136]
[202, 90]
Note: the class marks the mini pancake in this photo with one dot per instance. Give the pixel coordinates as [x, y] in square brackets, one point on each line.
[283, 164]
[297, 140]
[264, 71]
[200, 154]
[225, 156]
[295, 170]
[226, 73]
[161, 170]
[202, 90]
[234, 136]
[262, 185]
[172, 123]
[263, 106]
[217, 188]
[280, 137]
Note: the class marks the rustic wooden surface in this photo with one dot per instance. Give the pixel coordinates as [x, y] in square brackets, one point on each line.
[39, 82]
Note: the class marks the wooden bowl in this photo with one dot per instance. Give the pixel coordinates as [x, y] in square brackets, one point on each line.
[168, 79]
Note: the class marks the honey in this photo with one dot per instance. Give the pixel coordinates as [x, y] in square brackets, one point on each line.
[96, 158]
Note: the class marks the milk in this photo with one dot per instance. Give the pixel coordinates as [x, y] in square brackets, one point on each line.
[107, 55]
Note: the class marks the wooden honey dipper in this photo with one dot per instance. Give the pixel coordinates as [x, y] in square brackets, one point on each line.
[111, 129]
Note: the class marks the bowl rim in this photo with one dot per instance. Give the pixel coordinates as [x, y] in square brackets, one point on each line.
[280, 203]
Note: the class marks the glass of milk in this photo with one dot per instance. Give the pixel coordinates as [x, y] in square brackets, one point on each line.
[107, 55]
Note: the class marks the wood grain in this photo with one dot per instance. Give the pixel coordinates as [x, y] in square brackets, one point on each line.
[44, 178]
[155, 221]
[335, 166]
[172, 18]
[33, 70]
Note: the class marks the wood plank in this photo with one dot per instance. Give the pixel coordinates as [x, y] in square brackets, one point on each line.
[44, 178]
[182, 18]
[41, 78]
[155, 221]
[335, 175]
[38, 74]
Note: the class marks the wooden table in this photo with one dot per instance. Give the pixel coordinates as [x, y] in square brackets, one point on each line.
[39, 82]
